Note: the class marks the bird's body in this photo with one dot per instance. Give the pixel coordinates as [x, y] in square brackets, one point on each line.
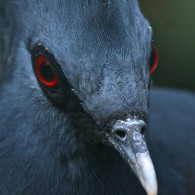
[50, 149]
[170, 138]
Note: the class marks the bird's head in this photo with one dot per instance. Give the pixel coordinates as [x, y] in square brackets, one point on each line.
[88, 63]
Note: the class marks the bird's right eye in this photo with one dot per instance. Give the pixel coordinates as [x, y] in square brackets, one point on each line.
[45, 73]
[49, 75]
[52, 80]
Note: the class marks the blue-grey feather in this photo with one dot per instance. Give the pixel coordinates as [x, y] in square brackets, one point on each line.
[103, 49]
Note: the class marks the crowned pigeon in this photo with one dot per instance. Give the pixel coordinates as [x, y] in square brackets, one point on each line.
[74, 101]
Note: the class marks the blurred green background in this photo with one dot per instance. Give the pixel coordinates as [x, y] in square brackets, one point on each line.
[173, 24]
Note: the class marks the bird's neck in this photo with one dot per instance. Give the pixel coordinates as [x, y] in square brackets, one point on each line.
[101, 169]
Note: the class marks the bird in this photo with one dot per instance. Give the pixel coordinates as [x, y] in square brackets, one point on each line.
[77, 110]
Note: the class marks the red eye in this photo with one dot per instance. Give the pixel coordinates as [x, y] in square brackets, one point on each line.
[45, 72]
[153, 59]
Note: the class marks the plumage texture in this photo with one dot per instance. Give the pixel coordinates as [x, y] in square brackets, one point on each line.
[170, 137]
[6, 39]
[103, 48]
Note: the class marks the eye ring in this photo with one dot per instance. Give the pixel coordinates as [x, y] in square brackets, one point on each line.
[156, 59]
[40, 61]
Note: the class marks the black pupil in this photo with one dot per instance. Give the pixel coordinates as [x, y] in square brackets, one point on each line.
[152, 57]
[46, 72]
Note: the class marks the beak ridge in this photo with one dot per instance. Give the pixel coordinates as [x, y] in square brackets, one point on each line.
[129, 142]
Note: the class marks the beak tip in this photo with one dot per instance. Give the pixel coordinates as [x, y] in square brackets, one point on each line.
[151, 192]
[147, 174]
[151, 188]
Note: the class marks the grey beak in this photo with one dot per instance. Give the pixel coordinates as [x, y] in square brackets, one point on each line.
[128, 140]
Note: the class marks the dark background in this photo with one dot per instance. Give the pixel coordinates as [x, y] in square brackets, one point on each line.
[173, 24]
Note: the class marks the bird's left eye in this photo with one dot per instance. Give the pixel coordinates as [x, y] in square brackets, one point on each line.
[45, 72]
[153, 59]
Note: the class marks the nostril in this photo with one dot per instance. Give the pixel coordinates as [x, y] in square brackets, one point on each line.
[121, 134]
[143, 129]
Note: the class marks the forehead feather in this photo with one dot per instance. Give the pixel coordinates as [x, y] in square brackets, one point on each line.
[119, 23]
